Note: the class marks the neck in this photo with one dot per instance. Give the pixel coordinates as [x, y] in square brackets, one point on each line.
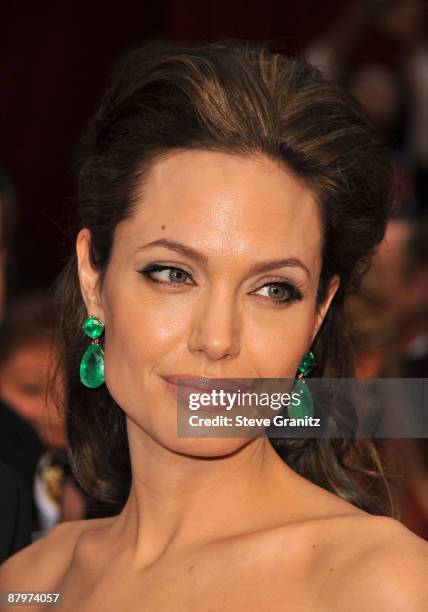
[177, 501]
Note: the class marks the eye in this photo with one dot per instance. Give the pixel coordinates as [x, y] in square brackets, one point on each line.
[165, 274]
[281, 292]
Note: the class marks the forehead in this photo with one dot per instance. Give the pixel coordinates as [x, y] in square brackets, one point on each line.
[224, 204]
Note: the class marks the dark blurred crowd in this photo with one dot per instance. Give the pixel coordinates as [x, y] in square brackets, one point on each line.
[376, 49]
[38, 488]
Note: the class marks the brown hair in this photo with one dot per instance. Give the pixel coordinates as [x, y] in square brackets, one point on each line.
[235, 98]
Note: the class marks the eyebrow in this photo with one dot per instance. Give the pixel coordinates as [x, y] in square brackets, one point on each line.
[263, 266]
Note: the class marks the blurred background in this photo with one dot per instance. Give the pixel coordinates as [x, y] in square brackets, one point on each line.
[54, 59]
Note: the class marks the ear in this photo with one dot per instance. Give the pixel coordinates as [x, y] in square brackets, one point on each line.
[323, 308]
[88, 276]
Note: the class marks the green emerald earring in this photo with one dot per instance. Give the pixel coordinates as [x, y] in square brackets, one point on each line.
[306, 404]
[92, 362]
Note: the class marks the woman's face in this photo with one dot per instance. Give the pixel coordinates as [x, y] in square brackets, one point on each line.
[24, 379]
[192, 285]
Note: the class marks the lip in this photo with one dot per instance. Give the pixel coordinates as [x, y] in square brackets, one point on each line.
[204, 383]
[197, 384]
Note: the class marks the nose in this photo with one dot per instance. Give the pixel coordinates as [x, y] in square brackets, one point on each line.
[215, 326]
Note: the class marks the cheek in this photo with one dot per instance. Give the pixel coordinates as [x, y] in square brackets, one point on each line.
[277, 347]
[140, 333]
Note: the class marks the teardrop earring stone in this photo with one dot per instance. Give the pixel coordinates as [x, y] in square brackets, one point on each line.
[306, 405]
[92, 366]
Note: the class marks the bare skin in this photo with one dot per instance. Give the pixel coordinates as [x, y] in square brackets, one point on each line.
[323, 558]
[216, 524]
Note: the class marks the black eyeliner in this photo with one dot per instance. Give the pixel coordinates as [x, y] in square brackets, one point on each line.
[294, 292]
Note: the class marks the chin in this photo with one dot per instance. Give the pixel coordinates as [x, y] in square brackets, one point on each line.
[204, 447]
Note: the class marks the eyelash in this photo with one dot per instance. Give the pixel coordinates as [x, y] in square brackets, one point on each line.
[293, 290]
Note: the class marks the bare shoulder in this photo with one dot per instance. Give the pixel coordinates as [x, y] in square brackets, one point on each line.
[39, 565]
[383, 566]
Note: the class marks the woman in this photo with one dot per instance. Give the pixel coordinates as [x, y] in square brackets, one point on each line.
[229, 202]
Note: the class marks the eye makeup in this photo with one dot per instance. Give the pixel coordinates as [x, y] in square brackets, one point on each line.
[292, 290]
